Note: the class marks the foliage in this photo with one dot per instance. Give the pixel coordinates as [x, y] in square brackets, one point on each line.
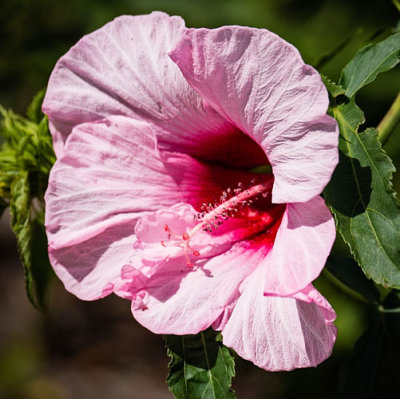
[360, 195]
[360, 192]
[368, 63]
[201, 367]
[26, 156]
[367, 214]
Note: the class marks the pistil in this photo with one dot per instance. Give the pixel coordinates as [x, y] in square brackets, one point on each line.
[214, 214]
[220, 211]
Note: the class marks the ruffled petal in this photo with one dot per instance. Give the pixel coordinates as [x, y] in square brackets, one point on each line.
[160, 238]
[175, 298]
[259, 83]
[302, 245]
[278, 333]
[124, 69]
[110, 173]
[176, 232]
[180, 300]
[92, 269]
[120, 69]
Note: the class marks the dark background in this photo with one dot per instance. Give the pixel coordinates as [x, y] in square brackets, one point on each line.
[96, 349]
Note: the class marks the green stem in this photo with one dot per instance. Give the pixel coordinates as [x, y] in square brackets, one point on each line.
[344, 288]
[390, 121]
[384, 310]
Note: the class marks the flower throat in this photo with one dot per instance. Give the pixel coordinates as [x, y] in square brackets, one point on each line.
[213, 215]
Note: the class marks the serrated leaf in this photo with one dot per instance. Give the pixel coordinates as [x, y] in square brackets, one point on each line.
[201, 367]
[27, 224]
[362, 198]
[21, 225]
[369, 62]
[26, 156]
[15, 128]
[348, 273]
[334, 89]
[373, 370]
[44, 147]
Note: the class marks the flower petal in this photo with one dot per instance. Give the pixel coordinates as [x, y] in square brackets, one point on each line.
[91, 269]
[179, 300]
[124, 69]
[259, 83]
[302, 245]
[119, 69]
[110, 173]
[108, 176]
[278, 333]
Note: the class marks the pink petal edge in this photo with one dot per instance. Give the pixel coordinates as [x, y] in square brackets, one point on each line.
[280, 333]
[302, 245]
[260, 84]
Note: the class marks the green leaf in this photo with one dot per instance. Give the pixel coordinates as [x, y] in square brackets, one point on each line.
[34, 111]
[44, 146]
[27, 224]
[26, 157]
[334, 89]
[362, 198]
[201, 367]
[41, 270]
[369, 62]
[373, 370]
[21, 225]
[347, 272]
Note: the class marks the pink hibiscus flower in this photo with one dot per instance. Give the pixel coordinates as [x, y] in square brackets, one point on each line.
[157, 129]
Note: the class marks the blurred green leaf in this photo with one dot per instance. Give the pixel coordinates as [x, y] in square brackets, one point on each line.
[373, 370]
[348, 273]
[328, 56]
[34, 111]
[396, 4]
[3, 206]
[361, 196]
[201, 367]
[369, 62]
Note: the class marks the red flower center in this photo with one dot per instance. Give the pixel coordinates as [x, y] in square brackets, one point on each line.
[250, 205]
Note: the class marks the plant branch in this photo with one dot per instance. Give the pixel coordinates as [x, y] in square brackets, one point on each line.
[390, 121]
[343, 287]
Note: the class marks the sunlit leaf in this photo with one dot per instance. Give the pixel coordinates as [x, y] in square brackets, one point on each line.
[369, 62]
[22, 226]
[26, 156]
[334, 89]
[27, 224]
[362, 198]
